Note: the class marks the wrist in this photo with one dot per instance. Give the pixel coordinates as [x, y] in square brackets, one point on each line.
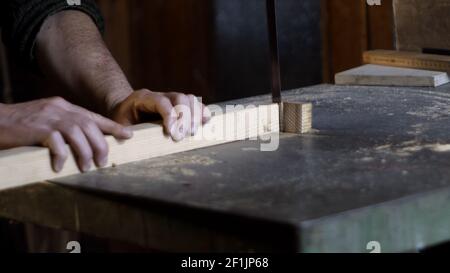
[113, 100]
[4, 110]
[3, 107]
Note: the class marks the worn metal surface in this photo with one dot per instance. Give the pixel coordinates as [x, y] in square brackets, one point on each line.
[377, 168]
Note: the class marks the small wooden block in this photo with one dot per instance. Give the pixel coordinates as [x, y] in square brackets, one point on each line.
[296, 117]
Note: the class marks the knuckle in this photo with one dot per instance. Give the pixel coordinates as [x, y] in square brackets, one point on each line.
[162, 100]
[175, 96]
[57, 101]
[45, 133]
[52, 134]
[117, 128]
[88, 124]
[72, 129]
[181, 96]
[50, 105]
[59, 126]
[94, 116]
[142, 93]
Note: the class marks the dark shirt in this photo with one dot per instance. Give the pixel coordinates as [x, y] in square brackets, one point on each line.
[21, 20]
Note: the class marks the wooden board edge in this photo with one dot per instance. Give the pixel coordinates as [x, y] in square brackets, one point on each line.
[27, 165]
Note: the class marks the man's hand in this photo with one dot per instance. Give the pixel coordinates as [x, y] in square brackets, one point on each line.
[52, 123]
[182, 114]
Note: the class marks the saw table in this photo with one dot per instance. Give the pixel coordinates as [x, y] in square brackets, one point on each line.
[375, 169]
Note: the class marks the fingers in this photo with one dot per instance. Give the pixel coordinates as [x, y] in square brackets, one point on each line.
[106, 125]
[58, 150]
[94, 126]
[97, 142]
[182, 105]
[162, 105]
[54, 122]
[110, 127]
[81, 147]
[182, 114]
[196, 113]
[86, 138]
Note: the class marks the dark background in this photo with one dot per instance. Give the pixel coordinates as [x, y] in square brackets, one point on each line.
[218, 49]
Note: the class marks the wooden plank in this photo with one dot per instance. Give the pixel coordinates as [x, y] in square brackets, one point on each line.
[408, 59]
[391, 76]
[21, 166]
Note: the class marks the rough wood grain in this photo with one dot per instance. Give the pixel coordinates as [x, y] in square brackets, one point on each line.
[297, 117]
[391, 76]
[407, 59]
[26, 165]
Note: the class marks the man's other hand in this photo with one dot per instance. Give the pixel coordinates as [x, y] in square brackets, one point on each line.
[53, 122]
[181, 114]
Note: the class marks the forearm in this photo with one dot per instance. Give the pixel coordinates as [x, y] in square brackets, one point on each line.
[70, 49]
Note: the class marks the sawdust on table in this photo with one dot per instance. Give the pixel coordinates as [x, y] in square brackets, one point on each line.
[168, 169]
[410, 147]
[436, 111]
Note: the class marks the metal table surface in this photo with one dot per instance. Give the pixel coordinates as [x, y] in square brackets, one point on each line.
[376, 168]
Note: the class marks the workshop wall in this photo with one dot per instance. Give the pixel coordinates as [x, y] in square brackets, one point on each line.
[241, 48]
[218, 48]
[351, 27]
[161, 45]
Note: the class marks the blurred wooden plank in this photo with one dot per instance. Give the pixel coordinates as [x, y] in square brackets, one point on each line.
[408, 59]
[391, 76]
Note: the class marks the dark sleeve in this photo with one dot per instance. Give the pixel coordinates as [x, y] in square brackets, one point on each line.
[21, 21]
